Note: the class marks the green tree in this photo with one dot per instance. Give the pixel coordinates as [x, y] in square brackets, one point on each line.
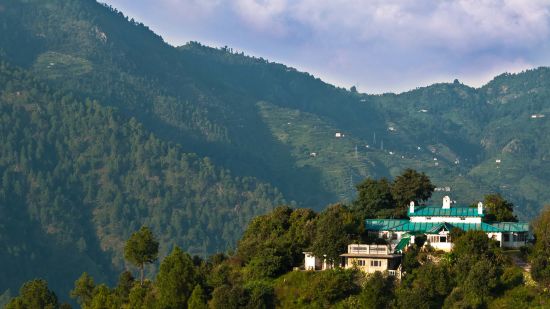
[373, 196]
[141, 297]
[197, 299]
[104, 298]
[540, 257]
[83, 290]
[229, 297]
[273, 243]
[34, 294]
[334, 229]
[426, 287]
[141, 248]
[260, 294]
[377, 292]
[328, 287]
[410, 186]
[498, 209]
[176, 279]
[124, 285]
[473, 245]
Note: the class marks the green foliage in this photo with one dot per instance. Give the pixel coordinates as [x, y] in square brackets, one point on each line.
[330, 286]
[197, 300]
[498, 209]
[34, 294]
[373, 196]
[409, 260]
[124, 286]
[474, 245]
[78, 178]
[141, 297]
[260, 294]
[540, 256]
[411, 186]
[273, 243]
[377, 292]
[512, 277]
[176, 279]
[230, 297]
[84, 290]
[103, 298]
[334, 229]
[426, 287]
[384, 199]
[521, 297]
[141, 248]
[475, 274]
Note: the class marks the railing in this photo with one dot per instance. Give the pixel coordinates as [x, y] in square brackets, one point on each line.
[368, 249]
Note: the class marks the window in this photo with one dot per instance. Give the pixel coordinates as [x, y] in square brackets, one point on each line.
[442, 239]
[463, 218]
[394, 236]
[428, 218]
[375, 263]
[361, 262]
[521, 237]
[506, 237]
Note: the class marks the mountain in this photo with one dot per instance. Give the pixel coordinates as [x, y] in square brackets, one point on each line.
[105, 127]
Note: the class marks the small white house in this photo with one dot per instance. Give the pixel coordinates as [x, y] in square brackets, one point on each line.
[311, 262]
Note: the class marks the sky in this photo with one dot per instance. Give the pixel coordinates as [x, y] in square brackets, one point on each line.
[377, 45]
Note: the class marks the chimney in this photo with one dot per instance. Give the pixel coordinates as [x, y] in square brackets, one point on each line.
[411, 207]
[480, 208]
[446, 202]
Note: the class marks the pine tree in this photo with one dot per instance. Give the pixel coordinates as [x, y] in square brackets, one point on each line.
[142, 248]
[197, 299]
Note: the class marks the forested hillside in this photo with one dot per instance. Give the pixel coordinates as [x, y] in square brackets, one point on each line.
[76, 178]
[105, 127]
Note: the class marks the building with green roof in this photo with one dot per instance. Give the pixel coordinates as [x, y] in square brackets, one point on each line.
[436, 223]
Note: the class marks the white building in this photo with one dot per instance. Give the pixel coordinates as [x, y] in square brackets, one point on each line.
[436, 223]
[311, 262]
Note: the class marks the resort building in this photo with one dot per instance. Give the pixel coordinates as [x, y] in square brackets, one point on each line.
[436, 223]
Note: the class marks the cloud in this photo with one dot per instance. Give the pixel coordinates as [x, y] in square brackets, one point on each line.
[379, 44]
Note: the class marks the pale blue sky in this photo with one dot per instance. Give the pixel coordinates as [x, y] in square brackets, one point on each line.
[378, 45]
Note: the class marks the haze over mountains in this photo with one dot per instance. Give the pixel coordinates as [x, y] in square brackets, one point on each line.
[105, 127]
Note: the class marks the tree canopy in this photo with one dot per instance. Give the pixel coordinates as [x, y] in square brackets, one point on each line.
[498, 209]
[141, 248]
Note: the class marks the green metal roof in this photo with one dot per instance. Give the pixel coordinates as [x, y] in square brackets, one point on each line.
[511, 226]
[404, 225]
[383, 224]
[402, 244]
[476, 227]
[434, 227]
[438, 211]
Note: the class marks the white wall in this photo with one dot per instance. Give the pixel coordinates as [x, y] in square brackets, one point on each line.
[311, 262]
[446, 219]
